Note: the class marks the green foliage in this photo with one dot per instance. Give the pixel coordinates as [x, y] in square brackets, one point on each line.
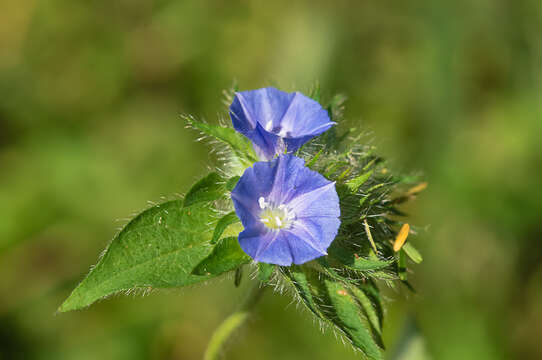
[356, 182]
[211, 187]
[340, 288]
[161, 247]
[226, 256]
[265, 271]
[239, 145]
[222, 224]
[351, 261]
[179, 243]
[341, 305]
[412, 253]
[157, 249]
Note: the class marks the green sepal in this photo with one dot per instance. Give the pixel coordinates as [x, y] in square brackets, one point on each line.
[349, 260]
[355, 183]
[240, 146]
[211, 187]
[265, 271]
[412, 252]
[230, 184]
[222, 224]
[227, 255]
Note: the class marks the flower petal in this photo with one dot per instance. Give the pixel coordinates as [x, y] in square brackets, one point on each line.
[269, 246]
[311, 204]
[319, 202]
[257, 181]
[319, 232]
[275, 120]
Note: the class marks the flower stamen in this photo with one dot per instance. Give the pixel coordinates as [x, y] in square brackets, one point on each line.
[275, 217]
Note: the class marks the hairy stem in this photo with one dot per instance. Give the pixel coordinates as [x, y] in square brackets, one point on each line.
[233, 322]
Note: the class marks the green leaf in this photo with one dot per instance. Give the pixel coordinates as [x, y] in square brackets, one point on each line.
[227, 255]
[330, 300]
[347, 318]
[353, 262]
[371, 312]
[299, 279]
[412, 253]
[230, 184]
[362, 264]
[222, 224]
[356, 182]
[210, 188]
[312, 161]
[158, 248]
[241, 147]
[265, 271]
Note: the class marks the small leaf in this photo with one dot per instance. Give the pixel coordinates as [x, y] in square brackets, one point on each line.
[299, 279]
[158, 248]
[347, 318]
[412, 253]
[330, 300]
[265, 271]
[240, 146]
[362, 264]
[230, 184]
[371, 313]
[312, 161]
[223, 224]
[353, 262]
[227, 255]
[356, 182]
[212, 187]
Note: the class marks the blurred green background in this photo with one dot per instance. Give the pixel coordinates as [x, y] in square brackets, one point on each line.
[90, 98]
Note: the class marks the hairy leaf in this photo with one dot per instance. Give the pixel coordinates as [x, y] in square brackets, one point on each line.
[211, 187]
[265, 271]
[348, 319]
[222, 224]
[299, 279]
[371, 312]
[412, 253]
[332, 301]
[353, 262]
[227, 255]
[356, 182]
[239, 145]
[158, 248]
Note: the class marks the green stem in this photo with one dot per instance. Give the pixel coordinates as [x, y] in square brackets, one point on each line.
[232, 323]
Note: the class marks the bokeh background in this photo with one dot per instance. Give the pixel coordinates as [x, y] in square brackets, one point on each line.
[90, 98]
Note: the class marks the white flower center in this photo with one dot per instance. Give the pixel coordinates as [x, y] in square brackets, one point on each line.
[275, 217]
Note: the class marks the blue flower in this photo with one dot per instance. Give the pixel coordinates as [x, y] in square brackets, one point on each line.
[290, 213]
[276, 121]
